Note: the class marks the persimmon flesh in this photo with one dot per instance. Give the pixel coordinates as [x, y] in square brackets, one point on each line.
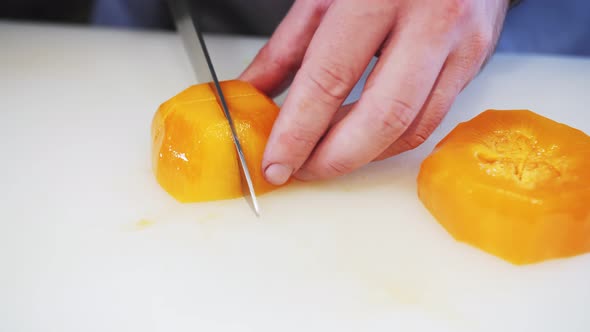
[512, 183]
[193, 154]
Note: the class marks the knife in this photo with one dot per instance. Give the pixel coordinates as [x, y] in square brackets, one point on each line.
[187, 27]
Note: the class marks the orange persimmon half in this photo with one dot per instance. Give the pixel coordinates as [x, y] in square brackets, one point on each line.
[512, 183]
[193, 154]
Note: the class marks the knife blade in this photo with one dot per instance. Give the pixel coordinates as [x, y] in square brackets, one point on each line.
[194, 44]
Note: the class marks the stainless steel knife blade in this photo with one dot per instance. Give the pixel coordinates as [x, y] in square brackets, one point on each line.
[195, 46]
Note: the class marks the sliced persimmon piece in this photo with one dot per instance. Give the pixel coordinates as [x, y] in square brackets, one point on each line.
[512, 183]
[193, 154]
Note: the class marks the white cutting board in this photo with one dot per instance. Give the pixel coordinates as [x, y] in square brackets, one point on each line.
[89, 242]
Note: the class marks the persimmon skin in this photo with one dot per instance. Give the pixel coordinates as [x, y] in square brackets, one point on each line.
[512, 183]
[193, 154]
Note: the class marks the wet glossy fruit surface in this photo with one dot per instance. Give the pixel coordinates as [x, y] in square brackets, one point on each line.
[193, 154]
[512, 183]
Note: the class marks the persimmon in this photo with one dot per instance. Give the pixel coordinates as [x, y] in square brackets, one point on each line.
[512, 183]
[193, 154]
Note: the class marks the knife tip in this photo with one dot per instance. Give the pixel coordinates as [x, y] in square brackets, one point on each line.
[256, 207]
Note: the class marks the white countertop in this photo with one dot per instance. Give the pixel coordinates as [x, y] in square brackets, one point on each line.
[89, 242]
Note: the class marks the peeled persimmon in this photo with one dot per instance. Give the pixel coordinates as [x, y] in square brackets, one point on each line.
[193, 154]
[512, 183]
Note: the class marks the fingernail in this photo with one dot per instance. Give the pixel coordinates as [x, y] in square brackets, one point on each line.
[277, 174]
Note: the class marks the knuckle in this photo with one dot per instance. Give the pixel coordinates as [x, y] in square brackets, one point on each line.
[392, 114]
[425, 130]
[331, 80]
[411, 142]
[441, 99]
[401, 114]
[454, 12]
[417, 135]
[278, 58]
[299, 139]
[457, 10]
[338, 167]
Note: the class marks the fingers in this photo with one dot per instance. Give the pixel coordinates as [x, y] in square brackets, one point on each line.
[459, 69]
[394, 94]
[275, 64]
[336, 58]
[341, 113]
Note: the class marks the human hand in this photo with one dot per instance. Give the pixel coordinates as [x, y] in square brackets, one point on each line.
[428, 52]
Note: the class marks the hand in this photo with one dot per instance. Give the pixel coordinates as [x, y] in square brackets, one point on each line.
[428, 51]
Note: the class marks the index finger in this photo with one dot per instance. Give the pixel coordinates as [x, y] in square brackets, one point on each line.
[330, 69]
